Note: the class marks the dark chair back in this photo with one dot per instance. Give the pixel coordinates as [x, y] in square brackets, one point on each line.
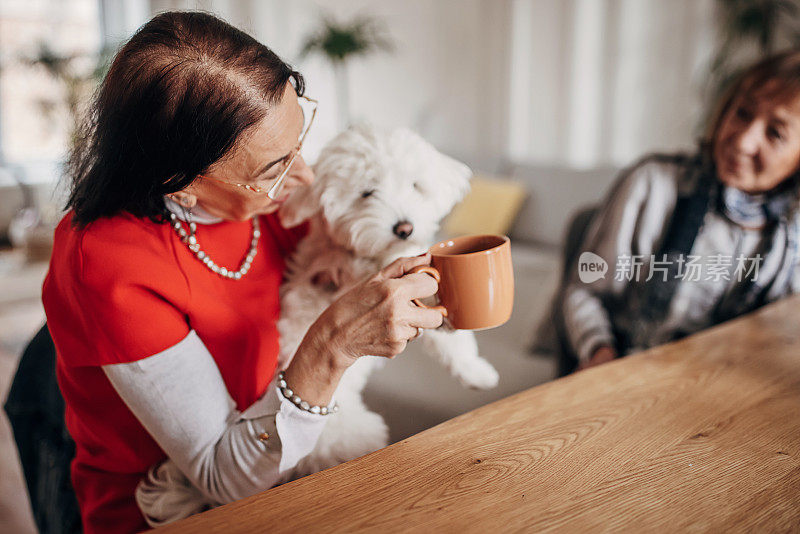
[551, 335]
[35, 409]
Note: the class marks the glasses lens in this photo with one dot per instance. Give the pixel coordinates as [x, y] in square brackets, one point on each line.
[308, 107]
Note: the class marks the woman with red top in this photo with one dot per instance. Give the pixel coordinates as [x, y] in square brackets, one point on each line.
[162, 294]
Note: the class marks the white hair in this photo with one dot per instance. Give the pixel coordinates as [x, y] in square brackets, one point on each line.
[367, 181]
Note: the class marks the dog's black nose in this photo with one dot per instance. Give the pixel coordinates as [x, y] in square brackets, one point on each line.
[403, 229]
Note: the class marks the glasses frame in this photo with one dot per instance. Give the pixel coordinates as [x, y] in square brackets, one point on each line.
[273, 190]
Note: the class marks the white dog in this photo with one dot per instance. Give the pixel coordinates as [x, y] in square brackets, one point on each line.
[376, 197]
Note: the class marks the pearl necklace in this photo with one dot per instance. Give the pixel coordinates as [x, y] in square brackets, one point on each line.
[189, 239]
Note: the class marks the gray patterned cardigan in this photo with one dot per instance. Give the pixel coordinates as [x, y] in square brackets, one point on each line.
[629, 230]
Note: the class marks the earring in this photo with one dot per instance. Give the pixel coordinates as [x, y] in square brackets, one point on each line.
[186, 200]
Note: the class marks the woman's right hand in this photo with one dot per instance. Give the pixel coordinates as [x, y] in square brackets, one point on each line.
[376, 317]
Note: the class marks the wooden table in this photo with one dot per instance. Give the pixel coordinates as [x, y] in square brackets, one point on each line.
[701, 435]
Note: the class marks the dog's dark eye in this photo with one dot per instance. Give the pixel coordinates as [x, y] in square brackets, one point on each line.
[367, 193]
[417, 187]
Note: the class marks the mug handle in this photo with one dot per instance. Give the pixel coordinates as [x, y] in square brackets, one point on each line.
[436, 276]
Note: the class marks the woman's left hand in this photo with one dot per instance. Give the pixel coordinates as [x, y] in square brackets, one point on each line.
[602, 355]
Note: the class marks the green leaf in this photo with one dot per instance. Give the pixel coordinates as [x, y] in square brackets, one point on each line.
[339, 41]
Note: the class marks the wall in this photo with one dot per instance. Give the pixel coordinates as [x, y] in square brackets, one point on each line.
[446, 77]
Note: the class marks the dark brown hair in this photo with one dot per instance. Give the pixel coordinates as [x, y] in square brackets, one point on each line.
[177, 98]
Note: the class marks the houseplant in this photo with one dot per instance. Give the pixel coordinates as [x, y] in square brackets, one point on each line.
[339, 42]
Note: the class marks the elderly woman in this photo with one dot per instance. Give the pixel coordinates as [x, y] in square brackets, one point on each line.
[162, 294]
[692, 241]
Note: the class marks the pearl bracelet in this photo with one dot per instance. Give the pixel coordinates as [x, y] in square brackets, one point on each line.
[300, 403]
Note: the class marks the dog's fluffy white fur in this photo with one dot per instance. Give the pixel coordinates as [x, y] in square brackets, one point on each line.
[368, 181]
[351, 236]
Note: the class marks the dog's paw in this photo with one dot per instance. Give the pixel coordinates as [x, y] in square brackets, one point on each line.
[478, 374]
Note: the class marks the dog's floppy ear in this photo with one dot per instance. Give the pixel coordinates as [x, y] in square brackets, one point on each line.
[303, 203]
[456, 175]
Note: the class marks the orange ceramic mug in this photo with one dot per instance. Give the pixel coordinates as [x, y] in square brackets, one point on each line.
[476, 281]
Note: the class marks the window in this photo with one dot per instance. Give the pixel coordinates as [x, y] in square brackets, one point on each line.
[35, 119]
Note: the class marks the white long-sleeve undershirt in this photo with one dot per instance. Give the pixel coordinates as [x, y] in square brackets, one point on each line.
[180, 398]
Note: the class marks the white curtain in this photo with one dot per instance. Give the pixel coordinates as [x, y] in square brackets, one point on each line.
[599, 82]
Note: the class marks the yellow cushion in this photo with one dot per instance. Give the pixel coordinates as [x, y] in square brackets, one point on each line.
[489, 208]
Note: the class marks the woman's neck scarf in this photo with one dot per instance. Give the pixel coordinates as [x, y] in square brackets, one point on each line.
[756, 210]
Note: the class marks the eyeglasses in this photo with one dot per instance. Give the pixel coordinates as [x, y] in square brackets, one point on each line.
[309, 108]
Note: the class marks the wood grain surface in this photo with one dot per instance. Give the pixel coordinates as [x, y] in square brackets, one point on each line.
[698, 435]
